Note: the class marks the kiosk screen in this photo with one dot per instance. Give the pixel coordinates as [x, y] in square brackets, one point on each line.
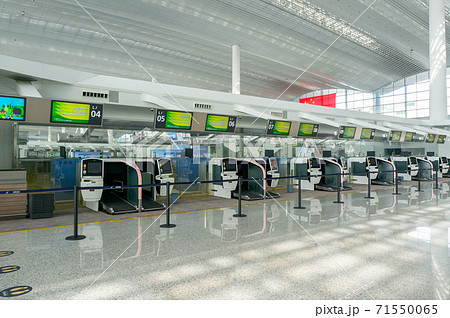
[229, 165]
[165, 167]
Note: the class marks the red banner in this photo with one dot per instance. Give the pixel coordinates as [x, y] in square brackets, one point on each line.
[322, 100]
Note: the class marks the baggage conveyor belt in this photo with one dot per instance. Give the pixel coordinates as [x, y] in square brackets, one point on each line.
[113, 204]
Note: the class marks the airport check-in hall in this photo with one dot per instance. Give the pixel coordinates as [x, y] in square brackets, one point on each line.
[225, 150]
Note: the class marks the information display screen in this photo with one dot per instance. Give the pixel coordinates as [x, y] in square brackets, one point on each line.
[367, 133]
[409, 136]
[395, 135]
[165, 166]
[76, 113]
[168, 119]
[230, 165]
[430, 138]
[276, 127]
[220, 123]
[441, 139]
[347, 132]
[310, 130]
[12, 108]
[273, 164]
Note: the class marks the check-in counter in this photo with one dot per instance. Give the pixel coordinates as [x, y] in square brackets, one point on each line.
[11, 204]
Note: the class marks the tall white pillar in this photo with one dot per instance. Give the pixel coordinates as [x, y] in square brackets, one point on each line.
[236, 69]
[438, 61]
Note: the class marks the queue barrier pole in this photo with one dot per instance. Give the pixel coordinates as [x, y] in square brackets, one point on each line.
[168, 224]
[339, 176]
[418, 180]
[239, 214]
[437, 181]
[75, 236]
[396, 183]
[299, 197]
[369, 182]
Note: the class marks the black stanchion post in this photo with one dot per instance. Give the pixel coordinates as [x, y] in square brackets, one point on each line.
[418, 180]
[396, 183]
[339, 176]
[168, 224]
[369, 182]
[437, 182]
[75, 236]
[239, 214]
[299, 194]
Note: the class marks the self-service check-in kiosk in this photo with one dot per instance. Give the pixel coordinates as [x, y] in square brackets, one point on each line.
[308, 169]
[401, 165]
[444, 161]
[91, 176]
[413, 167]
[386, 172]
[443, 166]
[331, 171]
[435, 162]
[425, 169]
[359, 168]
[223, 169]
[272, 172]
[163, 175]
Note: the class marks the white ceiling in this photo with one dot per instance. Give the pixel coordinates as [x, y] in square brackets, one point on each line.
[188, 42]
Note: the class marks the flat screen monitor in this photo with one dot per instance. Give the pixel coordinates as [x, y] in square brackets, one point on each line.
[169, 119]
[277, 127]
[441, 139]
[395, 135]
[189, 153]
[308, 130]
[444, 160]
[273, 164]
[370, 153]
[430, 138]
[269, 153]
[367, 133]
[372, 161]
[165, 166]
[347, 132]
[314, 163]
[229, 165]
[220, 123]
[409, 136]
[12, 108]
[326, 154]
[413, 160]
[92, 168]
[430, 154]
[76, 113]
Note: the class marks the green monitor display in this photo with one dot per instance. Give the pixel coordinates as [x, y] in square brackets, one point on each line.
[12, 108]
[430, 138]
[409, 136]
[395, 135]
[220, 123]
[76, 113]
[308, 130]
[441, 139]
[276, 127]
[367, 133]
[347, 132]
[168, 119]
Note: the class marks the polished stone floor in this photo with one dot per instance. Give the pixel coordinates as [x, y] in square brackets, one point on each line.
[389, 247]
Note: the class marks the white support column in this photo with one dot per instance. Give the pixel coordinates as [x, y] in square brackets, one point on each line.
[438, 61]
[236, 69]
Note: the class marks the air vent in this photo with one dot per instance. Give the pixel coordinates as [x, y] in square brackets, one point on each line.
[202, 106]
[95, 95]
[277, 114]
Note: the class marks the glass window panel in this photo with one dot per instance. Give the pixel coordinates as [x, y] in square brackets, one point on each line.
[399, 107]
[423, 104]
[411, 114]
[399, 98]
[411, 80]
[411, 88]
[424, 86]
[411, 97]
[422, 77]
[423, 95]
[423, 112]
[411, 106]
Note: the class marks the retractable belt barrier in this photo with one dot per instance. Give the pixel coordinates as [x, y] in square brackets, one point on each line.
[75, 190]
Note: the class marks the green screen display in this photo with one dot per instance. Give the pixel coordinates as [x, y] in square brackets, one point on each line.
[220, 123]
[367, 133]
[347, 132]
[168, 119]
[431, 138]
[12, 108]
[441, 139]
[308, 130]
[396, 135]
[409, 136]
[276, 127]
[76, 113]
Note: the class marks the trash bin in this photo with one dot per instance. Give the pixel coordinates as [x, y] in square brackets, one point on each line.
[40, 205]
[290, 188]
